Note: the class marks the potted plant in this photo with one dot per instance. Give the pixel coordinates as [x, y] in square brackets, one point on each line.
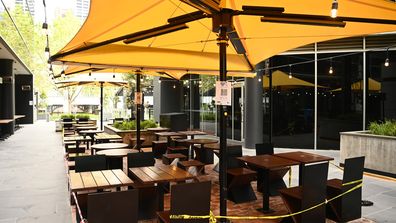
[378, 145]
[127, 130]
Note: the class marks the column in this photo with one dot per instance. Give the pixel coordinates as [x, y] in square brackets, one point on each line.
[7, 95]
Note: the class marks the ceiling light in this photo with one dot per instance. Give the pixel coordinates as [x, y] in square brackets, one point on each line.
[334, 9]
[386, 62]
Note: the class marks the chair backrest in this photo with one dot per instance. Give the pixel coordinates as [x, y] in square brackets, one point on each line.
[140, 159]
[353, 169]
[314, 192]
[90, 163]
[120, 207]
[264, 149]
[191, 199]
[232, 154]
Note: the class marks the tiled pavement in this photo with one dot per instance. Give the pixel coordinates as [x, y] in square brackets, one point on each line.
[33, 184]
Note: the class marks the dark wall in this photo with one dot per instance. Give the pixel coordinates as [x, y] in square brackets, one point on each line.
[7, 100]
[171, 98]
[24, 96]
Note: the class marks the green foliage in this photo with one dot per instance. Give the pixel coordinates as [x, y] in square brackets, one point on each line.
[208, 116]
[82, 116]
[64, 116]
[131, 125]
[387, 128]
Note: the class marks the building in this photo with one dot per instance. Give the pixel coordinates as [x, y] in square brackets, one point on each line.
[81, 9]
[27, 5]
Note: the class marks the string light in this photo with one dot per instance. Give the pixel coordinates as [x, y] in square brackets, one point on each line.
[174, 85]
[290, 73]
[387, 58]
[334, 9]
[89, 74]
[159, 81]
[45, 28]
[331, 66]
[259, 79]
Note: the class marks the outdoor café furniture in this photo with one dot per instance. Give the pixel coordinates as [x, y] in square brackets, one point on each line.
[191, 134]
[103, 146]
[275, 175]
[183, 202]
[160, 175]
[114, 157]
[186, 164]
[77, 140]
[215, 147]
[168, 135]
[140, 159]
[158, 129]
[168, 158]
[347, 207]
[205, 156]
[106, 138]
[98, 180]
[303, 158]
[90, 163]
[263, 164]
[81, 128]
[309, 194]
[159, 148]
[119, 206]
[91, 133]
[178, 149]
[239, 189]
[133, 142]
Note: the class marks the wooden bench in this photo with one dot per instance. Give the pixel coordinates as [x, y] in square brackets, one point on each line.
[168, 158]
[159, 148]
[238, 183]
[178, 149]
[72, 156]
[71, 165]
[199, 166]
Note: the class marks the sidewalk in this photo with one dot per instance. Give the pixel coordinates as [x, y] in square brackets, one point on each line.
[33, 181]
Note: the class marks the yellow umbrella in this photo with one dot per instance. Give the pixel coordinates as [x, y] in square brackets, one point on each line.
[373, 85]
[281, 79]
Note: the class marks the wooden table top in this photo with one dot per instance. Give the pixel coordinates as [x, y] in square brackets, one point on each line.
[158, 129]
[168, 134]
[267, 161]
[102, 146]
[83, 125]
[19, 116]
[92, 131]
[216, 146]
[87, 128]
[6, 121]
[202, 141]
[77, 138]
[105, 136]
[159, 174]
[191, 133]
[98, 180]
[304, 157]
[116, 152]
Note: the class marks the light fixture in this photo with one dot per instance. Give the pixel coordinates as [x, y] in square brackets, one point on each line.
[290, 73]
[47, 52]
[334, 9]
[113, 75]
[45, 28]
[63, 73]
[89, 74]
[387, 58]
[159, 81]
[331, 66]
[259, 79]
[174, 85]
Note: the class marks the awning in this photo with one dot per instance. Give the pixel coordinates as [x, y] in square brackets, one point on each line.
[373, 85]
[195, 48]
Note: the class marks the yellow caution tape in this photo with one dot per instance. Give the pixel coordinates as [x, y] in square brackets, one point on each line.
[352, 182]
[213, 218]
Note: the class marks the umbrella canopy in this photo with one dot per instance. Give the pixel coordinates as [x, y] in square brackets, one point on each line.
[373, 85]
[195, 48]
[281, 79]
[93, 81]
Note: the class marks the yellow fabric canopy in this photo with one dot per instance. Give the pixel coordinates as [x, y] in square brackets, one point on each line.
[195, 49]
[94, 81]
[373, 85]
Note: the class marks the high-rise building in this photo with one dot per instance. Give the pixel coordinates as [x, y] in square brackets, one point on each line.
[82, 9]
[27, 5]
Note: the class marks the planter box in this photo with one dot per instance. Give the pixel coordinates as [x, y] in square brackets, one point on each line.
[380, 151]
[59, 125]
[126, 134]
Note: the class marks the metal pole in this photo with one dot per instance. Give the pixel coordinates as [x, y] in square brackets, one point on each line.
[364, 84]
[101, 105]
[222, 42]
[138, 109]
[271, 97]
[316, 99]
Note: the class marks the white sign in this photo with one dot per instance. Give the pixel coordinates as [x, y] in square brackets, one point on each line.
[138, 98]
[223, 93]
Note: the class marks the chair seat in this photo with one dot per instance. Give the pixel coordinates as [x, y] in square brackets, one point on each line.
[295, 192]
[169, 157]
[335, 183]
[190, 163]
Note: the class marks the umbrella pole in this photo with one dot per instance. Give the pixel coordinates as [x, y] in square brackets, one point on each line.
[222, 42]
[101, 105]
[138, 108]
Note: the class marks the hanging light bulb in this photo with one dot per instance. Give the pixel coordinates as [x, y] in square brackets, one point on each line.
[334, 9]
[159, 81]
[259, 79]
[45, 28]
[331, 70]
[387, 58]
[290, 73]
[47, 52]
[174, 85]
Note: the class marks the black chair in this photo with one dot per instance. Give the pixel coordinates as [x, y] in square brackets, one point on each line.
[90, 163]
[239, 178]
[347, 207]
[183, 201]
[276, 175]
[148, 194]
[120, 207]
[311, 193]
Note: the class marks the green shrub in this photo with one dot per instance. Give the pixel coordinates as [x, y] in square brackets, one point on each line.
[208, 116]
[64, 116]
[131, 125]
[387, 128]
[83, 116]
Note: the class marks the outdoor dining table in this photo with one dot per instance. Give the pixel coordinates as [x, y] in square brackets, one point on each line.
[105, 137]
[98, 180]
[160, 175]
[104, 146]
[168, 135]
[158, 129]
[264, 163]
[205, 156]
[90, 133]
[114, 156]
[78, 140]
[215, 147]
[303, 158]
[82, 128]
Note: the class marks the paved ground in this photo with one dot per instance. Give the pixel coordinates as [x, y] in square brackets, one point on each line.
[33, 182]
